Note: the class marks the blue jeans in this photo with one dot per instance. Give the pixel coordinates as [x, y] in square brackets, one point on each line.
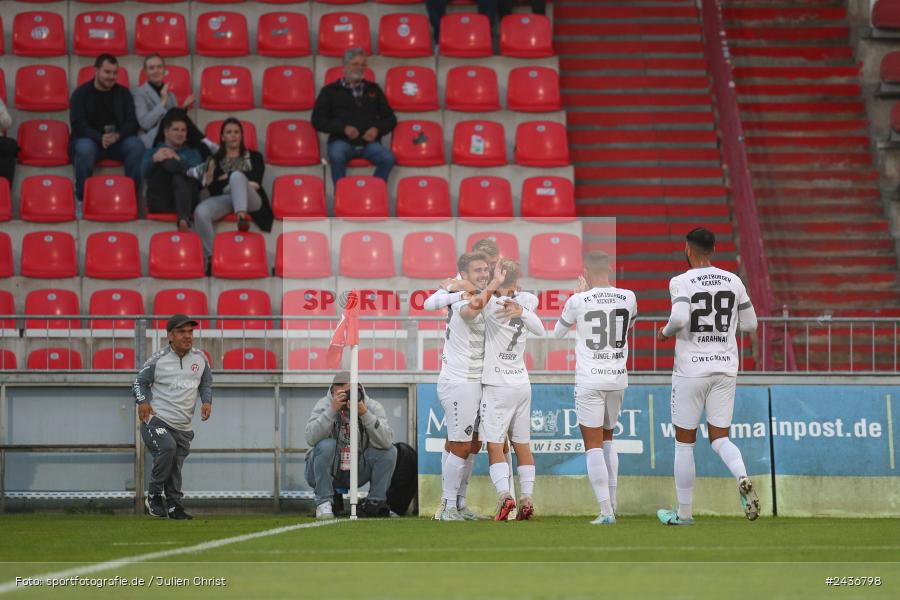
[85, 153]
[376, 467]
[341, 152]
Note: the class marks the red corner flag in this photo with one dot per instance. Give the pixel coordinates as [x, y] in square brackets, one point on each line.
[346, 333]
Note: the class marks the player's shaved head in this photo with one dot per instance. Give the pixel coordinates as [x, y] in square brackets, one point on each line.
[513, 272]
[488, 247]
[462, 264]
[596, 262]
[702, 240]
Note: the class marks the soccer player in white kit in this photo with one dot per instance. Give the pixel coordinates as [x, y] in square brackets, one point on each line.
[602, 316]
[506, 396]
[708, 305]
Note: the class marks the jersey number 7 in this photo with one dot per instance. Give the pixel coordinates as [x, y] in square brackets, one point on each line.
[605, 328]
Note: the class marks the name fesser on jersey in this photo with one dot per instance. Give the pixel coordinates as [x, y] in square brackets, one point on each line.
[504, 348]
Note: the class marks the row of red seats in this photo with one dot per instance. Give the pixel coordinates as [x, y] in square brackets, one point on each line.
[279, 34]
[111, 198]
[299, 254]
[469, 88]
[415, 143]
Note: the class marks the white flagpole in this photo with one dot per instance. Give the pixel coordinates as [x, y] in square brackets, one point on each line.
[354, 429]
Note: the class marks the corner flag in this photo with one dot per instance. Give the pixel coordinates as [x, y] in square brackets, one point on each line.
[346, 333]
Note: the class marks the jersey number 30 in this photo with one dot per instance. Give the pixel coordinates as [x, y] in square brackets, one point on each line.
[722, 303]
[605, 328]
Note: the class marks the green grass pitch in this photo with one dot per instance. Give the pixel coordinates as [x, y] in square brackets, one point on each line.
[416, 558]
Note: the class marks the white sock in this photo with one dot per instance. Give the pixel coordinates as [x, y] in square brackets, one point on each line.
[453, 470]
[509, 466]
[599, 478]
[500, 477]
[612, 467]
[526, 479]
[685, 474]
[464, 484]
[444, 455]
[731, 456]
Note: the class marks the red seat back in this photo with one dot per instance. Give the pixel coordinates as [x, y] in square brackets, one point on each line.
[180, 300]
[41, 88]
[340, 31]
[472, 88]
[479, 143]
[110, 198]
[533, 89]
[176, 255]
[361, 197]
[226, 88]
[52, 302]
[309, 303]
[303, 255]
[43, 143]
[115, 301]
[404, 35]
[485, 197]
[55, 359]
[308, 359]
[38, 33]
[222, 34]
[238, 255]
[163, 33]
[411, 88]
[249, 359]
[367, 255]
[283, 34]
[244, 302]
[548, 198]
[429, 255]
[423, 198]
[49, 255]
[100, 32]
[526, 36]
[555, 256]
[292, 142]
[47, 199]
[288, 88]
[112, 255]
[418, 144]
[465, 35]
[118, 358]
[299, 197]
[542, 144]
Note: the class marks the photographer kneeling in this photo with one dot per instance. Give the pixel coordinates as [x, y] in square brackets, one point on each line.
[328, 460]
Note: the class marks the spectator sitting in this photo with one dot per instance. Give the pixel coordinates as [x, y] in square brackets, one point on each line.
[8, 146]
[355, 114]
[104, 125]
[169, 188]
[233, 176]
[328, 437]
[438, 8]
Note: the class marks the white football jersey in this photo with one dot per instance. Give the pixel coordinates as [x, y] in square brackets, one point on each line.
[504, 342]
[463, 355]
[707, 345]
[602, 317]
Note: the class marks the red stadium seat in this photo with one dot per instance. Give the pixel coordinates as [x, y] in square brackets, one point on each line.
[308, 303]
[339, 31]
[180, 300]
[367, 255]
[115, 302]
[288, 88]
[49, 255]
[472, 89]
[555, 256]
[303, 255]
[43, 143]
[560, 360]
[222, 34]
[431, 359]
[550, 305]
[548, 198]
[404, 35]
[249, 359]
[411, 89]
[418, 144]
[381, 359]
[485, 197]
[8, 361]
[299, 197]
[465, 35]
[238, 255]
[7, 307]
[86, 73]
[533, 89]
[479, 144]
[423, 198]
[38, 34]
[7, 268]
[55, 358]
[379, 304]
[112, 255]
[178, 78]
[163, 33]
[333, 74]
[541, 144]
[5, 200]
[214, 129]
[341, 1]
[429, 255]
[361, 197]
[526, 36]
[47, 199]
[226, 88]
[176, 255]
[508, 243]
[889, 71]
[308, 359]
[886, 14]
[41, 88]
[244, 303]
[110, 198]
[118, 358]
[292, 142]
[52, 302]
[283, 34]
[100, 32]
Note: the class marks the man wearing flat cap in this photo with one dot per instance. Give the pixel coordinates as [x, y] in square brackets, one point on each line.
[166, 391]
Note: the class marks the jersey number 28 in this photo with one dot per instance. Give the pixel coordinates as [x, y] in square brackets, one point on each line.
[722, 303]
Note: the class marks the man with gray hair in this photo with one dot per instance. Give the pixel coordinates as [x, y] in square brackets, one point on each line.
[355, 114]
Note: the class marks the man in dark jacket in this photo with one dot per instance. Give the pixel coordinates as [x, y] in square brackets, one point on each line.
[355, 114]
[165, 167]
[104, 125]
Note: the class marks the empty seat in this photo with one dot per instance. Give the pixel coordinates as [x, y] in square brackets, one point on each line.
[43, 143]
[299, 197]
[47, 199]
[411, 89]
[244, 303]
[303, 255]
[7, 268]
[418, 144]
[381, 359]
[55, 358]
[526, 36]
[472, 88]
[533, 89]
[112, 255]
[163, 33]
[214, 129]
[886, 14]
[367, 255]
[889, 73]
[560, 360]
[180, 300]
[38, 33]
[100, 32]
[338, 1]
[423, 197]
[8, 361]
[5, 200]
[479, 144]
[176, 255]
[238, 255]
[249, 359]
[7, 307]
[541, 144]
[339, 31]
[178, 79]
[333, 74]
[554, 256]
[47, 302]
[379, 305]
[115, 301]
[283, 34]
[361, 197]
[86, 73]
[429, 255]
[465, 35]
[292, 142]
[118, 358]
[548, 198]
[41, 88]
[308, 303]
[485, 197]
[222, 34]
[308, 359]
[49, 255]
[507, 243]
[109, 198]
[226, 88]
[404, 35]
[288, 88]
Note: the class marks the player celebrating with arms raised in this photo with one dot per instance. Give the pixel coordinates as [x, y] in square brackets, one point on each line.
[707, 303]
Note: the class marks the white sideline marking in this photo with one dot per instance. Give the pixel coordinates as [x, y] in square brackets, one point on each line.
[10, 586]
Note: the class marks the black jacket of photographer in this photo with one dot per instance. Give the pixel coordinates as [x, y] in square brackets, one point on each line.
[336, 108]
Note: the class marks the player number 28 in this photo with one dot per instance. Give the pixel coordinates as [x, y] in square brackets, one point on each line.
[722, 303]
[605, 328]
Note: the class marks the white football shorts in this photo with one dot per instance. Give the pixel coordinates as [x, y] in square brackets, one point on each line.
[691, 396]
[598, 408]
[460, 400]
[505, 409]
